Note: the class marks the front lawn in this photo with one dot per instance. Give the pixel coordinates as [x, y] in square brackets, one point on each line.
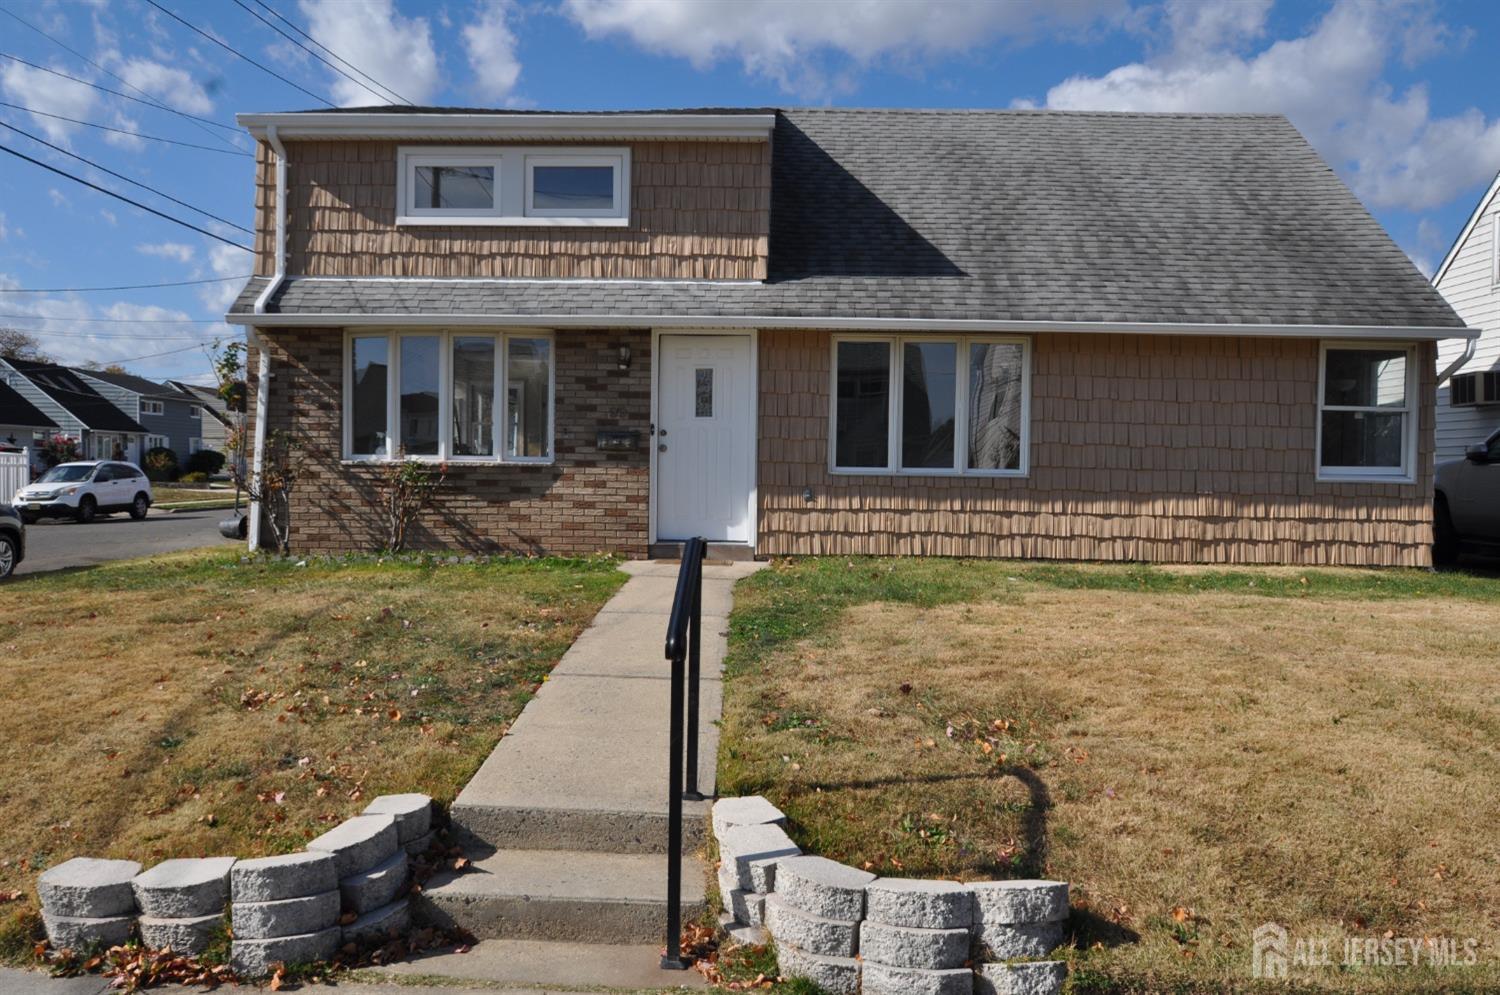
[1197, 751]
[195, 704]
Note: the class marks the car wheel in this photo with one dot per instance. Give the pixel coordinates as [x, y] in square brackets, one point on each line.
[87, 509]
[1444, 536]
[7, 556]
[139, 507]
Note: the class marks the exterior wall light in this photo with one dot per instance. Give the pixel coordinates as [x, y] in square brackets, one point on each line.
[624, 357]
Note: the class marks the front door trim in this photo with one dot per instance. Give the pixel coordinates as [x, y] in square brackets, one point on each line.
[753, 423]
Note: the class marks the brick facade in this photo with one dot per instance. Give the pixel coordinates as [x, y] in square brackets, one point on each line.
[584, 502]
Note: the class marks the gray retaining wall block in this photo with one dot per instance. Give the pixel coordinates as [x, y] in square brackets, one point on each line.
[82, 932]
[190, 936]
[184, 888]
[821, 887]
[412, 812]
[285, 917]
[1005, 941]
[752, 810]
[376, 887]
[906, 946]
[748, 907]
[419, 846]
[359, 843]
[919, 904]
[753, 852]
[253, 958]
[836, 975]
[811, 934]
[376, 925]
[291, 875]
[88, 888]
[1040, 977]
[882, 979]
[1019, 901]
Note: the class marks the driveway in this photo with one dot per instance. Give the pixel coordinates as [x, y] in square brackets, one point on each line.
[56, 544]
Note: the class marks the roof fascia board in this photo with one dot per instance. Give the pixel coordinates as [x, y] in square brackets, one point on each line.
[510, 126]
[1463, 236]
[1367, 332]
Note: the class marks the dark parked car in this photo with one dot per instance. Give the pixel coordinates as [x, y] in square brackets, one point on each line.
[12, 540]
[1466, 507]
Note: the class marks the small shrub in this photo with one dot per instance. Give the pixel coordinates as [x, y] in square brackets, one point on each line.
[193, 477]
[57, 449]
[205, 461]
[160, 464]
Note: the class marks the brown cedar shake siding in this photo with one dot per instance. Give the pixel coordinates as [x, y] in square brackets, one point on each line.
[698, 210]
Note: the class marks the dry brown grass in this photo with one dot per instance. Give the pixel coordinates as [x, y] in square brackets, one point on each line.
[191, 705]
[1194, 764]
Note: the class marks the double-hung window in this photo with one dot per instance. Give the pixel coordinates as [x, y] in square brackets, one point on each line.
[461, 395]
[1367, 412]
[927, 405]
[153, 407]
[512, 185]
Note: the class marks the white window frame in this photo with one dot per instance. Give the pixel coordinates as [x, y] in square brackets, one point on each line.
[445, 337]
[895, 348]
[512, 165]
[1406, 473]
[195, 411]
[158, 442]
[149, 407]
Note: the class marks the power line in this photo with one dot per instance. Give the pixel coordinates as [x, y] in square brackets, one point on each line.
[257, 15]
[117, 93]
[131, 336]
[123, 321]
[122, 176]
[113, 75]
[122, 131]
[238, 54]
[352, 67]
[126, 286]
[132, 203]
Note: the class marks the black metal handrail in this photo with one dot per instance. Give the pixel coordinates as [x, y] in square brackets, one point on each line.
[684, 644]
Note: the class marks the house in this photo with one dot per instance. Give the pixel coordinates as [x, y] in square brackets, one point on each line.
[21, 422]
[172, 420]
[1468, 404]
[82, 414]
[1174, 338]
[216, 423]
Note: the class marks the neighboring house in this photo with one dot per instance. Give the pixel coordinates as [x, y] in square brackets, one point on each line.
[21, 422]
[839, 331]
[1469, 403]
[81, 413]
[171, 419]
[216, 422]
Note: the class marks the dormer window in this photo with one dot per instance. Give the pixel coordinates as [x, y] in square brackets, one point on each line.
[513, 185]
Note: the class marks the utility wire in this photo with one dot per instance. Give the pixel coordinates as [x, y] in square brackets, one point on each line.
[132, 203]
[113, 75]
[122, 131]
[122, 176]
[238, 54]
[117, 93]
[126, 286]
[124, 321]
[352, 67]
[44, 334]
[259, 17]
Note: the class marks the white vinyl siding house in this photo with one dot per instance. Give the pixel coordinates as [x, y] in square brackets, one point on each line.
[1469, 280]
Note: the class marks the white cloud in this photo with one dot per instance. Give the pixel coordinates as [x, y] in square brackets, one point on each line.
[173, 87]
[491, 46]
[137, 330]
[58, 198]
[41, 91]
[786, 41]
[394, 50]
[168, 250]
[1329, 82]
[4, 229]
[224, 261]
[109, 216]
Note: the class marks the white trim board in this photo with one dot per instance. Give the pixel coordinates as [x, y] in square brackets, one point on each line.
[1468, 229]
[1416, 333]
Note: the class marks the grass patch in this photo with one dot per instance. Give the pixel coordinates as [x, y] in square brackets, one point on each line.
[1197, 751]
[200, 704]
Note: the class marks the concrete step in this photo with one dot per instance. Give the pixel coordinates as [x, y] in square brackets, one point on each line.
[720, 552]
[487, 827]
[537, 964]
[562, 896]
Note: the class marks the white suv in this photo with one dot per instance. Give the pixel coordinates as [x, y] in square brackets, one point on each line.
[83, 490]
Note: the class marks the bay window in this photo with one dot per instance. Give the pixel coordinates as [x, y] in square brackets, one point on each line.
[435, 395]
[930, 405]
[1367, 412]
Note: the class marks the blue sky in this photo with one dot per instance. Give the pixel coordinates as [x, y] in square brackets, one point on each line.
[1403, 98]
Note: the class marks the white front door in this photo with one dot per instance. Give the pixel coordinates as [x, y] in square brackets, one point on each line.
[705, 438]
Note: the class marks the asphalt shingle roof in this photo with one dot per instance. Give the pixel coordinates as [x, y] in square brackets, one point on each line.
[131, 382]
[82, 401]
[1008, 216]
[16, 410]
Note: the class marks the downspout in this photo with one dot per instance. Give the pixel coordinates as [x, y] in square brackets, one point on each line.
[263, 374]
[1463, 358]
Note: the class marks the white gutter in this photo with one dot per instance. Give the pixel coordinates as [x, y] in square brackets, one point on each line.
[506, 127]
[1463, 358]
[263, 373]
[1368, 332]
